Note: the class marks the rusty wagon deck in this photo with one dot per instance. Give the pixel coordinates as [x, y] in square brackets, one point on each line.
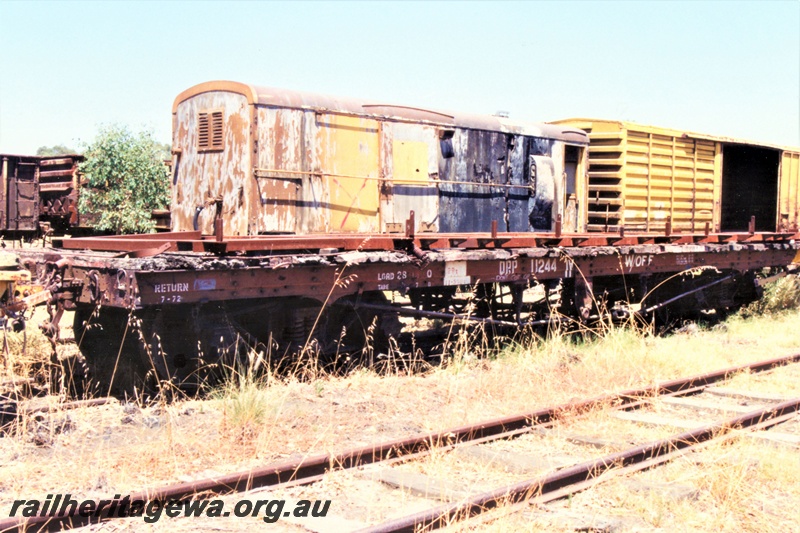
[178, 305]
[304, 266]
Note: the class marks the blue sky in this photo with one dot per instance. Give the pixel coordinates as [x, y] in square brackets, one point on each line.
[725, 68]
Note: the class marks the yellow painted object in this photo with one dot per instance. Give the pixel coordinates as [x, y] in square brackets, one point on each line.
[790, 191]
[10, 275]
[642, 176]
[350, 163]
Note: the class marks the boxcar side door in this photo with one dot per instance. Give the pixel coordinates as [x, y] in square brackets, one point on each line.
[23, 197]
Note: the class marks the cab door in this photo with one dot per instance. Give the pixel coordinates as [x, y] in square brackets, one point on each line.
[573, 170]
[350, 164]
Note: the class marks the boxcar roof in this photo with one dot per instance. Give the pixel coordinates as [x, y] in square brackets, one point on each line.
[268, 96]
[622, 124]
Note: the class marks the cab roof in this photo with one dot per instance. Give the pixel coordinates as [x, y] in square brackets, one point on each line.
[272, 97]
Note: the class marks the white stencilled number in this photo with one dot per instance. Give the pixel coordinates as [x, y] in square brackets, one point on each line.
[543, 266]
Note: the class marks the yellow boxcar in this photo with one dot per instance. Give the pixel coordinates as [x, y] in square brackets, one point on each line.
[642, 176]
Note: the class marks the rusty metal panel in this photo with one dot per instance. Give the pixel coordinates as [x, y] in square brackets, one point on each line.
[717, 213]
[281, 159]
[58, 188]
[200, 175]
[542, 206]
[350, 167]
[289, 162]
[789, 215]
[4, 179]
[542, 203]
[23, 197]
[481, 157]
[411, 170]
[203, 283]
[574, 196]
[559, 183]
[518, 198]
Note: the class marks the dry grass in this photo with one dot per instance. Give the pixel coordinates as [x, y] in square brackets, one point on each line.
[742, 486]
[251, 422]
[25, 353]
[739, 485]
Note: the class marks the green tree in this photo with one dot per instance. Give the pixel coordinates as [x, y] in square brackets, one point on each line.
[58, 149]
[124, 179]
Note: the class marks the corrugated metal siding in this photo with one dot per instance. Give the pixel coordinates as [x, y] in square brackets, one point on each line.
[668, 177]
[641, 176]
[606, 159]
[789, 215]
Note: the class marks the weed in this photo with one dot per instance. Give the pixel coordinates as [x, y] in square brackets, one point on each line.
[779, 295]
[245, 403]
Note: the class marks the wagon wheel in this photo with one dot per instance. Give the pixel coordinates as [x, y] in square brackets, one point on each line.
[356, 336]
[111, 348]
[193, 346]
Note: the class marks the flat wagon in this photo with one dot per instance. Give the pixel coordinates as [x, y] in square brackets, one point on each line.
[306, 220]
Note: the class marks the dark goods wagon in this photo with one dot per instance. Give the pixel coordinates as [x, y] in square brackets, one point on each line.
[38, 194]
[307, 224]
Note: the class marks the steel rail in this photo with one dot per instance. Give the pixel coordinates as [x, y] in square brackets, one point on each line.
[312, 468]
[77, 404]
[582, 475]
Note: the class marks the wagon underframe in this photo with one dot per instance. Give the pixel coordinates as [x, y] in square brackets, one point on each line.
[190, 307]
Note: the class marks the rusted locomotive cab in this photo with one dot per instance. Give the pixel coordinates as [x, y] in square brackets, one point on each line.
[36, 192]
[644, 177]
[290, 162]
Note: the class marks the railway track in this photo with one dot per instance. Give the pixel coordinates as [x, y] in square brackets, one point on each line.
[564, 480]
[571, 479]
